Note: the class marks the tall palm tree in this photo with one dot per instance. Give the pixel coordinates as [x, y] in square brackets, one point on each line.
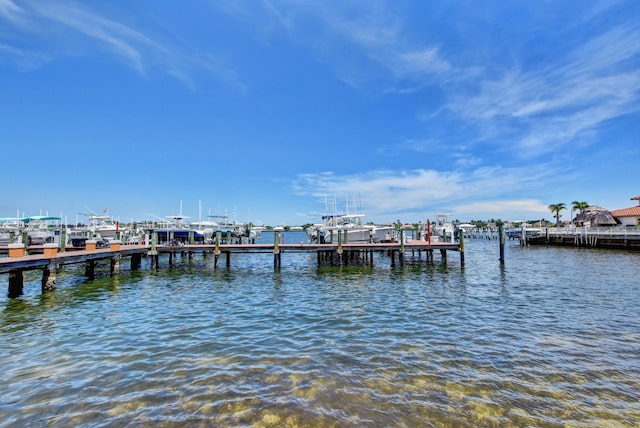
[580, 206]
[555, 209]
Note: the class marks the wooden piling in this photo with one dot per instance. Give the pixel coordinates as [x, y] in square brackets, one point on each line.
[276, 250]
[153, 253]
[16, 283]
[49, 277]
[90, 269]
[115, 265]
[136, 261]
[501, 239]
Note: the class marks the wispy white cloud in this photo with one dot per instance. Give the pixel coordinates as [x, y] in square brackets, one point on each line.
[539, 108]
[10, 11]
[22, 57]
[566, 98]
[62, 20]
[363, 43]
[123, 40]
[385, 192]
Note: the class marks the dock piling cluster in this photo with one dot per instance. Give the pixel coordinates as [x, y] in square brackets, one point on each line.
[52, 258]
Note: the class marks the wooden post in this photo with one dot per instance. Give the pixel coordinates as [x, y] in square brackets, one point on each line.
[428, 232]
[216, 250]
[403, 237]
[16, 281]
[462, 248]
[25, 242]
[276, 250]
[115, 265]
[154, 249]
[90, 269]
[49, 277]
[501, 239]
[136, 261]
[63, 239]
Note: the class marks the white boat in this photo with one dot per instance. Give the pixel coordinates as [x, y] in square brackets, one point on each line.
[443, 229]
[38, 230]
[237, 230]
[350, 227]
[10, 230]
[103, 226]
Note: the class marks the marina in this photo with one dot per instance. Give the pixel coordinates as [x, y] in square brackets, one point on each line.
[547, 339]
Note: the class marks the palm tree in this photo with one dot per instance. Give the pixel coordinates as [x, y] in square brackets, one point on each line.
[580, 206]
[555, 209]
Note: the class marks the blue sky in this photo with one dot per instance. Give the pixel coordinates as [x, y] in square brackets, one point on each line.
[264, 109]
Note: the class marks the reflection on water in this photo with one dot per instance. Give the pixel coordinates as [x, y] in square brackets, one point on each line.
[550, 339]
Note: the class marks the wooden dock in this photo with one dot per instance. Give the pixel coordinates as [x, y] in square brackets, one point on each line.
[49, 260]
[613, 238]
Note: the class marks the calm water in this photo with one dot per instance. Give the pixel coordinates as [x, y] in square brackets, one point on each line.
[550, 339]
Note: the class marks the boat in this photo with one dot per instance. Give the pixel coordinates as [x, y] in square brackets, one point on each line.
[103, 226]
[175, 230]
[442, 229]
[40, 231]
[237, 230]
[10, 230]
[349, 225]
[37, 229]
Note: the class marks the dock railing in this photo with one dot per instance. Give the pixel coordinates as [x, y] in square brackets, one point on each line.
[611, 232]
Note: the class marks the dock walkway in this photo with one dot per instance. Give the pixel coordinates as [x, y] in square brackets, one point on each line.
[50, 259]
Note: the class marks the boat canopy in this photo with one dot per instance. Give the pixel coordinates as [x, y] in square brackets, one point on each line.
[39, 218]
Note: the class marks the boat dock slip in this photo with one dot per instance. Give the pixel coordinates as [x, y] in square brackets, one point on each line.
[331, 254]
[327, 254]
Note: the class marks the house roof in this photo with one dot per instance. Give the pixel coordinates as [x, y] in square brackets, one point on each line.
[627, 212]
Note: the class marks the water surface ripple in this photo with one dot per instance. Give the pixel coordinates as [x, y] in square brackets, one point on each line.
[550, 339]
